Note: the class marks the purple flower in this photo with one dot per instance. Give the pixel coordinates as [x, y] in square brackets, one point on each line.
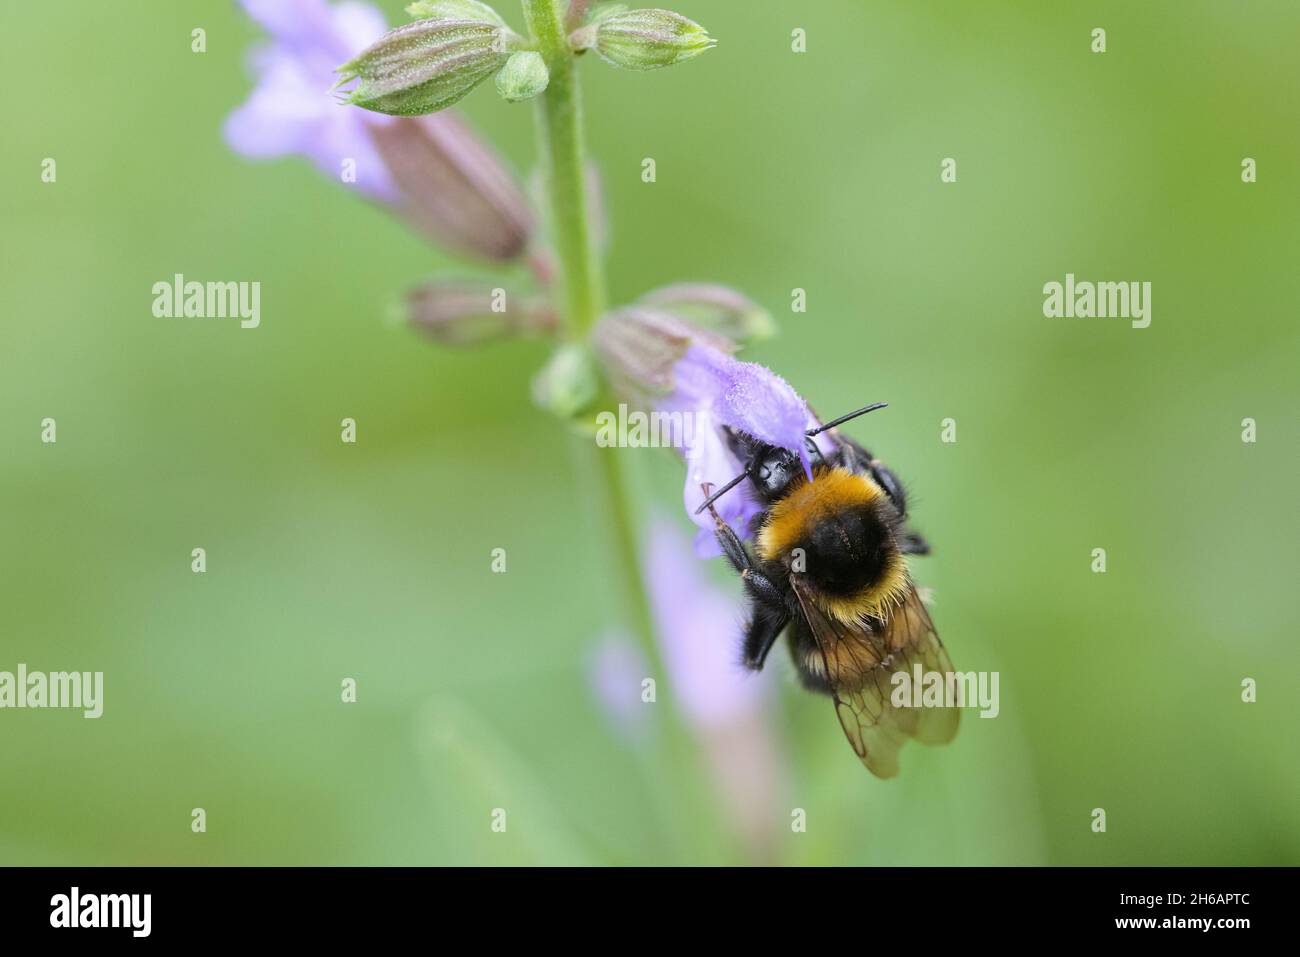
[432, 170]
[291, 110]
[698, 627]
[673, 352]
[746, 397]
[615, 670]
[709, 460]
[727, 709]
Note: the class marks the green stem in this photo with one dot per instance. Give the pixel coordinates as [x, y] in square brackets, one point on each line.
[581, 277]
[560, 127]
[582, 285]
[627, 552]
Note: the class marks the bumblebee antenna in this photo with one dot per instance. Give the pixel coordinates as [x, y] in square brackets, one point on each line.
[708, 502]
[844, 418]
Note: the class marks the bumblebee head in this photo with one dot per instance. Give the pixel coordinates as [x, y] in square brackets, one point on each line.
[774, 469]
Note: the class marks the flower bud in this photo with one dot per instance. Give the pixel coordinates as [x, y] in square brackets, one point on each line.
[568, 383]
[453, 187]
[602, 11]
[577, 13]
[523, 77]
[646, 39]
[462, 312]
[718, 308]
[426, 66]
[639, 346]
[454, 10]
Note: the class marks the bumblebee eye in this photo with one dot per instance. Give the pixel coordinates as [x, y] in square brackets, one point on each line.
[764, 472]
[814, 453]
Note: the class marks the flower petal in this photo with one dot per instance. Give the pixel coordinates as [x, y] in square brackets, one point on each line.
[698, 627]
[348, 135]
[358, 25]
[435, 172]
[615, 669]
[279, 115]
[289, 21]
[709, 460]
[745, 396]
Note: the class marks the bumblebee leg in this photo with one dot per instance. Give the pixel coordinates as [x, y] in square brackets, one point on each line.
[759, 586]
[730, 542]
[911, 543]
[760, 636]
[852, 455]
[734, 548]
[761, 589]
[888, 481]
[848, 459]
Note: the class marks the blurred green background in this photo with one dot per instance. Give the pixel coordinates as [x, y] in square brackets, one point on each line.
[775, 171]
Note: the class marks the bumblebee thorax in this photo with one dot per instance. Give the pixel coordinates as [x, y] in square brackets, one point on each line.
[835, 531]
[791, 520]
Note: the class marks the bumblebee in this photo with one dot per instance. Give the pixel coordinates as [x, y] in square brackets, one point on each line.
[830, 571]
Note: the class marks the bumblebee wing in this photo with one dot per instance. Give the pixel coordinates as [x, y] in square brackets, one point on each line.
[911, 633]
[851, 659]
[859, 663]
